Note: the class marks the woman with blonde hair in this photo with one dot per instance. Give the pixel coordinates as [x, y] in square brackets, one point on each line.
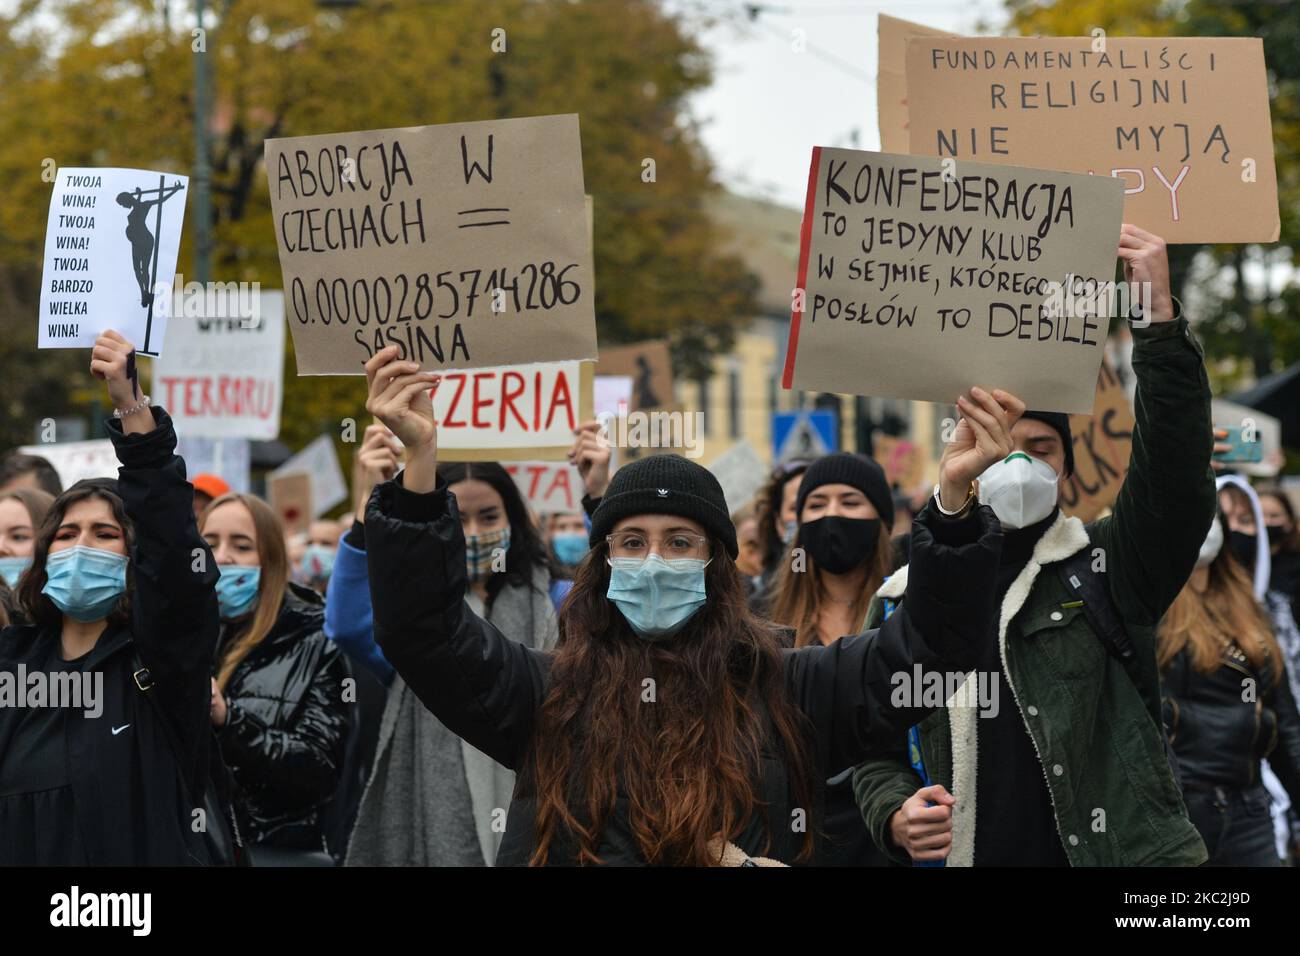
[278, 695]
[1228, 705]
[22, 511]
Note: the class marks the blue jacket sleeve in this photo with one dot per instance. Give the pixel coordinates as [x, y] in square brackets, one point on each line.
[349, 619]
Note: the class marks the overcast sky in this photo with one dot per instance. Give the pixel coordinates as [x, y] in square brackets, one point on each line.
[769, 105]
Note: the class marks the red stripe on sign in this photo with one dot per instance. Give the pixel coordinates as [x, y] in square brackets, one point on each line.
[805, 238]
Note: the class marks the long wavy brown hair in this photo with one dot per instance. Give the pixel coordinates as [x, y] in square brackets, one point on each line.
[1227, 608]
[689, 762]
[798, 596]
[274, 560]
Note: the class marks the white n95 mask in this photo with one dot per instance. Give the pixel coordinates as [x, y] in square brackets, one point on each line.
[1020, 490]
[1213, 544]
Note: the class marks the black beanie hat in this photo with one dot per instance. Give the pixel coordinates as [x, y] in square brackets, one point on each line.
[665, 485]
[1061, 422]
[860, 472]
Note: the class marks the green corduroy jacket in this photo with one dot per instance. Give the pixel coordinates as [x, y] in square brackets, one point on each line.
[1094, 724]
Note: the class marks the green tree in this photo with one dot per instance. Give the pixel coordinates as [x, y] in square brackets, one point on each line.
[109, 82]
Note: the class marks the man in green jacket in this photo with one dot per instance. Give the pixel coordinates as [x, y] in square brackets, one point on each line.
[1068, 768]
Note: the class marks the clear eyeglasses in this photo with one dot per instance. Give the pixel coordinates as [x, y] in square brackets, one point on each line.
[676, 544]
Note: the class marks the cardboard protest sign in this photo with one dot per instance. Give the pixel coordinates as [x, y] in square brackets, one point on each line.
[649, 365]
[110, 256]
[321, 461]
[74, 460]
[1102, 443]
[1183, 121]
[291, 499]
[902, 461]
[230, 459]
[466, 244]
[892, 35]
[512, 413]
[549, 487]
[741, 473]
[222, 375]
[919, 283]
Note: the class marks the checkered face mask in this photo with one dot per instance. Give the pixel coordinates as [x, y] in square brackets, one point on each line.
[480, 549]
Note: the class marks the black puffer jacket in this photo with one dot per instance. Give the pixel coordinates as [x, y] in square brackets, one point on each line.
[1218, 737]
[286, 731]
[487, 688]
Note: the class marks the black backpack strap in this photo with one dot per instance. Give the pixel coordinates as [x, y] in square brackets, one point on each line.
[222, 838]
[1089, 587]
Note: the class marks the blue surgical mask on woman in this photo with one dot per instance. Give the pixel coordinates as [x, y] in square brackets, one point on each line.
[11, 569]
[317, 563]
[657, 597]
[85, 583]
[237, 589]
[569, 547]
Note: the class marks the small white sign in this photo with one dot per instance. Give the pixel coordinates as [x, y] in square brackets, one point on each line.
[75, 460]
[222, 375]
[110, 256]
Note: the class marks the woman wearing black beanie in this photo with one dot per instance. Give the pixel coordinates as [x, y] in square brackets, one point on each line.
[840, 552]
[669, 725]
[839, 556]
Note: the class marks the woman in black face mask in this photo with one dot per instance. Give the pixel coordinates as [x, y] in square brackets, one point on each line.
[840, 552]
[839, 556]
[1283, 544]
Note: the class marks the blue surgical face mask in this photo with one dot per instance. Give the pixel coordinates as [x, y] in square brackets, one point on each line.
[787, 532]
[317, 563]
[657, 597]
[12, 569]
[237, 589]
[85, 583]
[570, 547]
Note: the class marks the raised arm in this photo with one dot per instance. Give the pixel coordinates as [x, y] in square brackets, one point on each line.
[483, 686]
[173, 598]
[349, 617]
[1167, 500]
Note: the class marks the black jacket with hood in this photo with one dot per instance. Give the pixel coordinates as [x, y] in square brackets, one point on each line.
[487, 688]
[132, 767]
[287, 726]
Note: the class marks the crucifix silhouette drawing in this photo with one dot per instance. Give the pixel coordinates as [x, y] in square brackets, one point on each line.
[144, 244]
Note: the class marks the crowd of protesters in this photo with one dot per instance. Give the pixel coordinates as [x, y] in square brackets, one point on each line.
[448, 679]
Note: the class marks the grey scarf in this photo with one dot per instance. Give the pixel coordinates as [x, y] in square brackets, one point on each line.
[432, 799]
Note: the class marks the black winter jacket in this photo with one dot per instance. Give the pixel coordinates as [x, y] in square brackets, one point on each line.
[129, 786]
[487, 688]
[1219, 738]
[287, 726]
